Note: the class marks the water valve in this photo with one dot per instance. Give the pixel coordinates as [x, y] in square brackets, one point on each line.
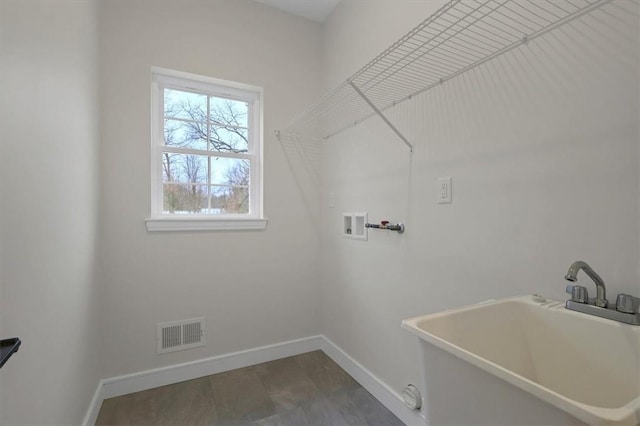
[626, 303]
[578, 293]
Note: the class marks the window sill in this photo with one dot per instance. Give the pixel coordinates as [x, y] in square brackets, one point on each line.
[204, 224]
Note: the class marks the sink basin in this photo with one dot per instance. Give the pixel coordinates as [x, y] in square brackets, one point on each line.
[563, 366]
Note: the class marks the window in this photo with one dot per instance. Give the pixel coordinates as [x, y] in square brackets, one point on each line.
[206, 153]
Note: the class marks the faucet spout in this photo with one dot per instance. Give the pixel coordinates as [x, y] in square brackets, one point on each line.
[601, 292]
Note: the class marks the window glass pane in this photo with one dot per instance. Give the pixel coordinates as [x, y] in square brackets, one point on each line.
[229, 112]
[179, 104]
[230, 200]
[184, 198]
[184, 168]
[185, 134]
[229, 171]
[206, 157]
[229, 139]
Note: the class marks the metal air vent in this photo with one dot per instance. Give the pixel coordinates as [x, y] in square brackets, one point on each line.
[181, 335]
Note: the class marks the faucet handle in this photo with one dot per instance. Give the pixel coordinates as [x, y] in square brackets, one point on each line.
[627, 303]
[578, 293]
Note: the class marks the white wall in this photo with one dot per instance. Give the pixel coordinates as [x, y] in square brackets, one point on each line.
[542, 146]
[255, 288]
[48, 213]
[535, 141]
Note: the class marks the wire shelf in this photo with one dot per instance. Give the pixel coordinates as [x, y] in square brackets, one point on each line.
[458, 37]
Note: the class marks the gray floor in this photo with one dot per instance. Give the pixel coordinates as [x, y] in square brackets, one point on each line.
[307, 389]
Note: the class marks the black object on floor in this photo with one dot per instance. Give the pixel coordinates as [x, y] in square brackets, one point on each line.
[7, 348]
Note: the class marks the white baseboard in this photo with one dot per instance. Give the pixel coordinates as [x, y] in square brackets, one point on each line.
[122, 385]
[376, 387]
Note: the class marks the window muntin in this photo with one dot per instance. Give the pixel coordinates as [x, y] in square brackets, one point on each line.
[207, 145]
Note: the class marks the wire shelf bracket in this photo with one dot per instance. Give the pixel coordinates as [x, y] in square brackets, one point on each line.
[381, 115]
[461, 35]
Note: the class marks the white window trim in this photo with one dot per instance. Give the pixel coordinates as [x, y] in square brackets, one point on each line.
[255, 220]
[205, 224]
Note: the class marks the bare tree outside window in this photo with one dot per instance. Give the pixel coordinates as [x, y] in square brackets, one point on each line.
[196, 183]
[239, 177]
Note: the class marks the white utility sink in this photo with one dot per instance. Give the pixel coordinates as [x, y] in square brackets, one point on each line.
[575, 368]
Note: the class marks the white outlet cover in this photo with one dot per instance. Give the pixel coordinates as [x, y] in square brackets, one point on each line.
[443, 190]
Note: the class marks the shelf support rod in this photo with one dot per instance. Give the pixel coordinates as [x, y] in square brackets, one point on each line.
[377, 111]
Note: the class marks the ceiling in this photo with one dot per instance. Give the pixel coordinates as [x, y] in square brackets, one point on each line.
[315, 10]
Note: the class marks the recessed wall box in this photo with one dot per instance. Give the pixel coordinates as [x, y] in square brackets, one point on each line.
[353, 226]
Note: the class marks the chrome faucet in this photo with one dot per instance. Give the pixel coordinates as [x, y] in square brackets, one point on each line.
[626, 308]
[601, 291]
